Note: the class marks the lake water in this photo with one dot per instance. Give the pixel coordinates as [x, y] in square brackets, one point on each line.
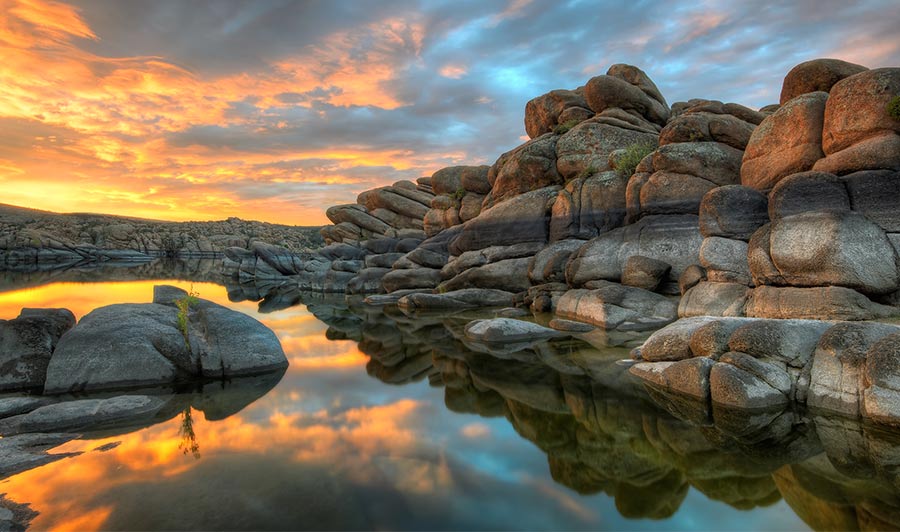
[384, 421]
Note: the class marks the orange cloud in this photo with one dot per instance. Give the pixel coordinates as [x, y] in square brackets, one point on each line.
[112, 117]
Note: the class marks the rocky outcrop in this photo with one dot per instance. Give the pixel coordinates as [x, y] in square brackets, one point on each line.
[750, 364]
[26, 344]
[30, 236]
[133, 345]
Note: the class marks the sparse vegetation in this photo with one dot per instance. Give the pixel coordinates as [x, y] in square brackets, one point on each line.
[587, 172]
[633, 155]
[184, 305]
[459, 194]
[893, 108]
[188, 442]
[562, 129]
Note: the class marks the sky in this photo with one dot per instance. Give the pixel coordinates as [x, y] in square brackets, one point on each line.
[275, 109]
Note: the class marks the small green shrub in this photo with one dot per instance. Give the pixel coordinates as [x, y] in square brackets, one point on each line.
[459, 194]
[632, 157]
[562, 129]
[184, 305]
[893, 107]
[587, 172]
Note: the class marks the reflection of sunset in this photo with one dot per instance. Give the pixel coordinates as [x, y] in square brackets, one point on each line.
[348, 442]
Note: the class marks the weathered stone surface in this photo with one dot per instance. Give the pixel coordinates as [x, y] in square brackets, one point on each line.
[549, 264]
[368, 281]
[447, 181]
[712, 161]
[828, 303]
[585, 149]
[701, 126]
[876, 194]
[808, 192]
[881, 399]
[639, 79]
[838, 368]
[570, 326]
[614, 306]
[458, 299]
[510, 275]
[528, 167]
[689, 278]
[26, 345]
[414, 278]
[542, 114]
[508, 330]
[473, 259]
[384, 260]
[644, 272]
[816, 75]
[589, 206]
[733, 211]
[675, 240]
[525, 218]
[86, 414]
[470, 206]
[725, 260]
[358, 216]
[604, 92]
[714, 299]
[839, 249]
[772, 373]
[877, 152]
[787, 142]
[141, 344]
[856, 110]
[672, 342]
[791, 342]
[688, 377]
[671, 193]
[733, 387]
[711, 339]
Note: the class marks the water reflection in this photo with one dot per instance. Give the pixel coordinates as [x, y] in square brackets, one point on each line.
[326, 446]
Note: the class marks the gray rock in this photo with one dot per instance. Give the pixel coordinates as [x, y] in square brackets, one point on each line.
[585, 149]
[771, 372]
[816, 75]
[589, 206]
[570, 326]
[510, 275]
[733, 211]
[357, 215]
[691, 276]
[524, 218]
[86, 415]
[644, 272]
[714, 299]
[671, 193]
[690, 377]
[725, 260]
[28, 451]
[821, 249]
[458, 299]
[711, 339]
[367, 281]
[614, 306]
[384, 260]
[789, 341]
[508, 330]
[142, 344]
[406, 279]
[542, 114]
[11, 406]
[26, 345]
[675, 240]
[529, 167]
[876, 194]
[838, 368]
[712, 161]
[672, 342]
[881, 400]
[549, 264]
[604, 92]
[808, 192]
[732, 387]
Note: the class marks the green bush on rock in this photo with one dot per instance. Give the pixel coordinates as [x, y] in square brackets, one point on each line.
[893, 107]
[633, 155]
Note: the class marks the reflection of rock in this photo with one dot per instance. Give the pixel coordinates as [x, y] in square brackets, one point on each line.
[144, 344]
[219, 400]
[27, 451]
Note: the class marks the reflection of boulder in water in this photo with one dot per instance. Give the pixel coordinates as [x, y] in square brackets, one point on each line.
[219, 400]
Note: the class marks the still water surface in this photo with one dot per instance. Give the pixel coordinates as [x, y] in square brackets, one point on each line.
[348, 442]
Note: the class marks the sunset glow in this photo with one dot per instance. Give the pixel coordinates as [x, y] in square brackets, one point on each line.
[274, 111]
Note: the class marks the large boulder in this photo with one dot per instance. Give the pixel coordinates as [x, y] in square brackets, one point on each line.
[589, 206]
[712, 121]
[26, 345]
[358, 216]
[510, 275]
[457, 299]
[818, 303]
[148, 344]
[818, 75]
[876, 194]
[614, 306]
[808, 192]
[502, 330]
[787, 142]
[528, 167]
[542, 113]
[881, 398]
[675, 240]
[524, 218]
[549, 264]
[859, 134]
[604, 92]
[714, 299]
[837, 249]
[87, 414]
[585, 149]
[733, 211]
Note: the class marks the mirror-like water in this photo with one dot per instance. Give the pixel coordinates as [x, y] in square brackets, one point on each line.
[389, 421]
